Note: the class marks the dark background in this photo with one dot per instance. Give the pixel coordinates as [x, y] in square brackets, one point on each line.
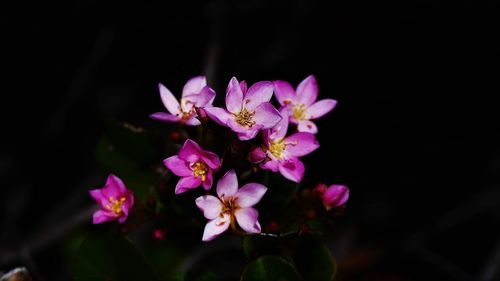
[415, 134]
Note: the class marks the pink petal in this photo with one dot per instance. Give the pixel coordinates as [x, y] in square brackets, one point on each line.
[307, 126]
[178, 166]
[320, 108]
[307, 91]
[234, 96]
[193, 121]
[186, 184]
[335, 196]
[247, 219]
[97, 195]
[257, 155]
[250, 194]
[166, 117]
[266, 115]
[227, 186]
[250, 133]
[169, 100]
[122, 219]
[215, 227]
[243, 86]
[209, 205]
[292, 169]
[130, 199]
[244, 133]
[258, 93]
[102, 216]
[194, 85]
[203, 98]
[190, 151]
[284, 92]
[279, 131]
[217, 114]
[211, 159]
[114, 187]
[272, 165]
[207, 184]
[300, 144]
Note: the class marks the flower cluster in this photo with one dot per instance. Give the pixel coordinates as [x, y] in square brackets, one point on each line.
[286, 133]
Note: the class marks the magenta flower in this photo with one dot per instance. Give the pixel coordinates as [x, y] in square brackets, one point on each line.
[248, 111]
[302, 103]
[195, 94]
[233, 205]
[333, 196]
[194, 165]
[280, 153]
[115, 200]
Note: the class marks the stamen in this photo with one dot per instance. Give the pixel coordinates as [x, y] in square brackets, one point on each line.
[245, 118]
[277, 148]
[299, 112]
[200, 169]
[116, 205]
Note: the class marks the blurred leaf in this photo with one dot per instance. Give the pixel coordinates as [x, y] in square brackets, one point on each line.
[207, 276]
[255, 245]
[105, 256]
[280, 190]
[314, 260]
[270, 268]
[129, 153]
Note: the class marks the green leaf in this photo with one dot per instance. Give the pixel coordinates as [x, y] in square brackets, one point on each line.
[104, 256]
[314, 260]
[270, 268]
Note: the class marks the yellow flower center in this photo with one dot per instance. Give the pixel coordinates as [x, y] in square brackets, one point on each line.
[229, 206]
[186, 115]
[245, 118]
[277, 148]
[200, 169]
[299, 112]
[115, 205]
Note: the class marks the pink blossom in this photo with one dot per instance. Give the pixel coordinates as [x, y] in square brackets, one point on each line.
[115, 199]
[281, 153]
[233, 205]
[302, 103]
[194, 165]
[248, 111]
[195, 94]
[333, 196]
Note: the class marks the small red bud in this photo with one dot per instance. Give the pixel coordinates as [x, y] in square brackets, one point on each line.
[175, 136]
[159, 234]
[273, 226]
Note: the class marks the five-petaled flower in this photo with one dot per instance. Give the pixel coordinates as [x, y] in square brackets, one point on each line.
[115, 200]
[233, 205]
[334, 196]
[302, 103]
[248, 110]
[195, 94]
[194, 165]
[280, 153]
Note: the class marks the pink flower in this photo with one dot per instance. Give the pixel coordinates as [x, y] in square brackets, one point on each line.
[115, 200]
[233, 205]
[248, 111]
[194, 165]
[195, 94]
[281, 153]
[302, 103]
[333, 196]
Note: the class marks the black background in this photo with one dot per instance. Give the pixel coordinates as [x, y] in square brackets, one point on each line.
[415, 133]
